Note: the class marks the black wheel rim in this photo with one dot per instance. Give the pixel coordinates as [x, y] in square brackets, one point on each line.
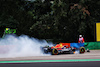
[82, 50]
[55, 51]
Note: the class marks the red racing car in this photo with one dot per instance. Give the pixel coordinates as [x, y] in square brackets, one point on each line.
[62, 48]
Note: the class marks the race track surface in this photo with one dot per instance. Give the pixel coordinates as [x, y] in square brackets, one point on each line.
[62, 64]
[93, 54]
[91, 59]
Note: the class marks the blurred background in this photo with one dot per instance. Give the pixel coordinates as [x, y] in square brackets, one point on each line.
[53, 20]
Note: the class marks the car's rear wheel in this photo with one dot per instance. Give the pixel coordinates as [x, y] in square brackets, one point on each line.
[54, 52]
[82, 49]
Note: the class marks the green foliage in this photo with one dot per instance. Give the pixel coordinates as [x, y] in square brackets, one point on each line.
[62, 20]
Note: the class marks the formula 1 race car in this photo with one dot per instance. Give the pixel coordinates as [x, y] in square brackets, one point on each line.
[64, 48]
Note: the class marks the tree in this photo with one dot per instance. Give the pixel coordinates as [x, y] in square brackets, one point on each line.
[43, 19]
[62, 19]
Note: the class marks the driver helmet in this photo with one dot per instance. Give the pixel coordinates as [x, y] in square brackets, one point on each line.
[80, 35]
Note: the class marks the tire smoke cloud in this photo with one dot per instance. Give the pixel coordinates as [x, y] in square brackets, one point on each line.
[21, 46]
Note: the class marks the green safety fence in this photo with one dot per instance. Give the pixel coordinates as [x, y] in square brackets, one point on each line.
[92, 45]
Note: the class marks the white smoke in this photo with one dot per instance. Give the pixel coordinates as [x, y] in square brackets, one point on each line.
[13, 46]
[77, 52]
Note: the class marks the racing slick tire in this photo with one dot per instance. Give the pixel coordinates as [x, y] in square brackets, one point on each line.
[54, 52]
[82, 50]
